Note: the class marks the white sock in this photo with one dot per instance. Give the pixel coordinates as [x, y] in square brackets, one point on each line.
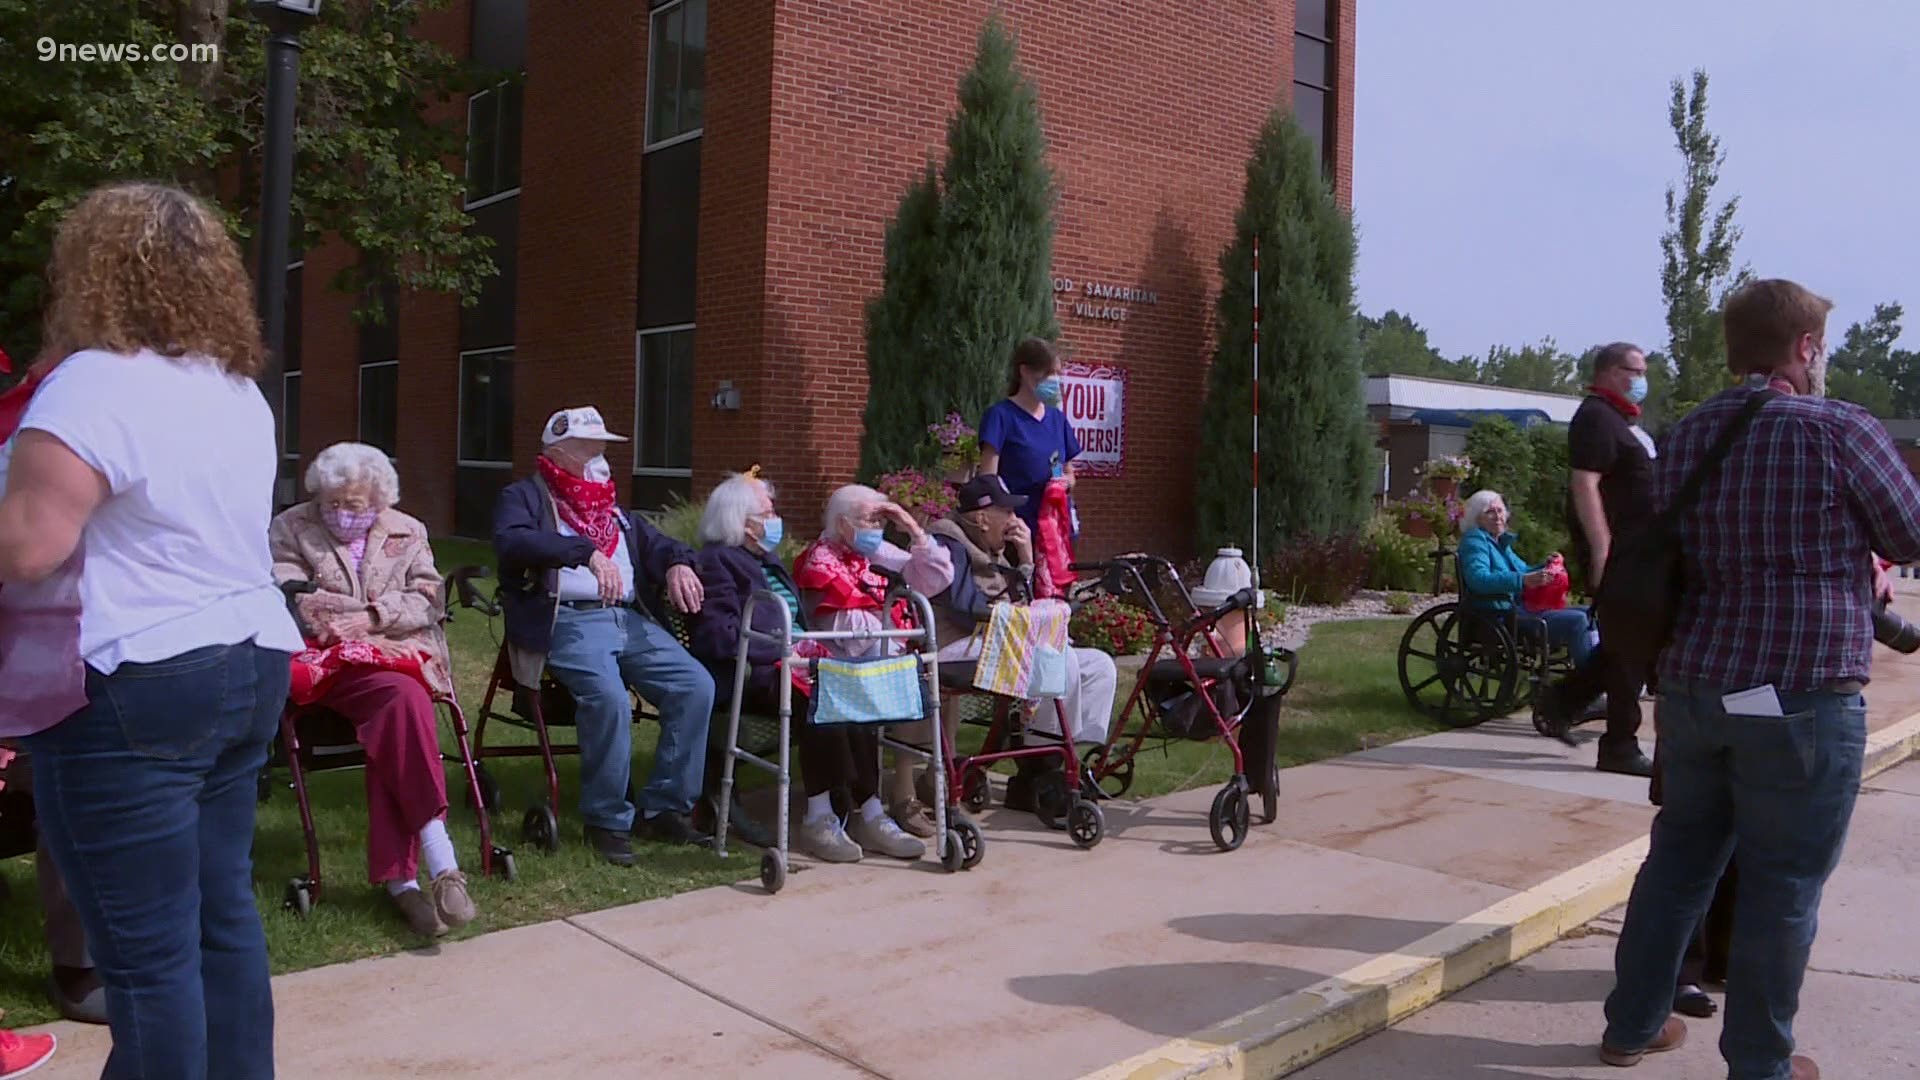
[399, 885]
[436, 849]
[820, 807]
[871, 810]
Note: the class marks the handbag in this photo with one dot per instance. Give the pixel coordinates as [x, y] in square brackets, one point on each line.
[1049, 673]
[885, 691]
[1552, 594]
[1638, 603]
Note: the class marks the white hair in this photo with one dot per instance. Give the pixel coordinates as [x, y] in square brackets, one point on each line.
[1477, 505]
[736, 499]
[350, 463]
[845, 503]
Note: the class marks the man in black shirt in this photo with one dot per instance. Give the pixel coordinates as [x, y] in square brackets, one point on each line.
[1611, 492]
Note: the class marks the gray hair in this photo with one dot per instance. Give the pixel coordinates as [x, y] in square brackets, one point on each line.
[845, 503]
[1477, 505]
[347, 464]
[736, 499]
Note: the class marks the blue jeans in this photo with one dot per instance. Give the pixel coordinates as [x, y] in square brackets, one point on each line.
[1782, 789]
[596, 655]
[1570, 628]
[146, 799]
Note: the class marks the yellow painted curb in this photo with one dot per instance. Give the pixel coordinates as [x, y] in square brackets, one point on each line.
[1309, 1024]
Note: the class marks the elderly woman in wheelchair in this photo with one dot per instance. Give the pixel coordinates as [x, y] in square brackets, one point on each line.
[1493, 578]
[740, 534]
[374, 611]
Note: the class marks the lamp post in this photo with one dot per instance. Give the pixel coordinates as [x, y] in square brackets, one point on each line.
[284, 20]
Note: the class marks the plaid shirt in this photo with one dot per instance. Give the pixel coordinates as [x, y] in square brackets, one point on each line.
[1778, 546]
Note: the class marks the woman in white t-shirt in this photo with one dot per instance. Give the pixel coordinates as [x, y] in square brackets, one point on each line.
[142, 475]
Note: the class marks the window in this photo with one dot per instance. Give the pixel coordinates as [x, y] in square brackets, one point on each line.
[676, 70]
[1313, 70]
[486, 408]
[493, 143]
[663, 406]
[380, 405]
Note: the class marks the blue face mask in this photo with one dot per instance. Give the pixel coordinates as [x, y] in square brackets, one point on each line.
[1637, 389]
[868, 541]
[772, 531]
[1048, 390]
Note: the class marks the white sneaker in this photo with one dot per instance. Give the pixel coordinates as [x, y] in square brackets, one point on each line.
[883, 836]
[824, 839]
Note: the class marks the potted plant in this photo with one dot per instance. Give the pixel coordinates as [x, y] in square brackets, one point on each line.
[923, 496]
[958, 447]
[1443, 475]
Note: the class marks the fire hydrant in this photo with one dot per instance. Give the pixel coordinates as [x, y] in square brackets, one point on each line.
[1226, 575]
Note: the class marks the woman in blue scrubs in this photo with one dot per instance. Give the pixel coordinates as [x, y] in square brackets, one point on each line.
[1026, 438]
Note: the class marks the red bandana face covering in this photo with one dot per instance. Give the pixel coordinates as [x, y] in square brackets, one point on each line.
[1627, 408]
[586, 506]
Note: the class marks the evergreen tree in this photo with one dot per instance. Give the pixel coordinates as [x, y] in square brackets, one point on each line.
[968, 265]
[1696, 271]
[1316, 446]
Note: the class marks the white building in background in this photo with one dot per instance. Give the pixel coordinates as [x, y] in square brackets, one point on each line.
[1421, 419]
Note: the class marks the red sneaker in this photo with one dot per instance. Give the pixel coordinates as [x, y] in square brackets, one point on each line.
[21, 1054]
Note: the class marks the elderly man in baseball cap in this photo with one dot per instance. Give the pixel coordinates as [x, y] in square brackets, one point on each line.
[579, 577]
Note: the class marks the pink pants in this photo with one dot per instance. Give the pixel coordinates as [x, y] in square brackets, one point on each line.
[394, 719]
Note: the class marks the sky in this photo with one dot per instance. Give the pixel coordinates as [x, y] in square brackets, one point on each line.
[1511, 158]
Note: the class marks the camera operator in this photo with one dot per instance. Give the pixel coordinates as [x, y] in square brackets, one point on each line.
[1760, 704]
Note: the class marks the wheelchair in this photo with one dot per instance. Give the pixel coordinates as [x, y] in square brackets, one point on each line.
[1462, 665]
[314, 738]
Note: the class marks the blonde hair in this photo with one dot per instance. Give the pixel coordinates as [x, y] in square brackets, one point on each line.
[147, 266]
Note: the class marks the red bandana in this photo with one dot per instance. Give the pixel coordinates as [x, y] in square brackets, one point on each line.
[586, 506]
[1627, 408]
[843, 580]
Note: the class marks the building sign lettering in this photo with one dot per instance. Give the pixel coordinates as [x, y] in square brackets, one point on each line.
[1094, 397]
[1103, 300]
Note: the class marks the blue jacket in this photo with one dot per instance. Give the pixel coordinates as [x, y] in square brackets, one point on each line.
[532, 552]
[729, 575]
[1490, 570]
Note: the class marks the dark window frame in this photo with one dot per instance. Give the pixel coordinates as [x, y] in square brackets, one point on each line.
[656, 19]
[505, 461]
[1327, 89]
[491, 100]
[640, 435]
[360, 399]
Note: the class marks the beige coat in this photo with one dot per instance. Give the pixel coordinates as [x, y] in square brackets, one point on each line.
[397, 586]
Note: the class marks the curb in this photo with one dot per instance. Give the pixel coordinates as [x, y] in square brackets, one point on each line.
[1307, 1025]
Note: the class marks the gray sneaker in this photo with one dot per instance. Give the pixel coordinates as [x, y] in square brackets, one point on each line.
[825, 840]
[883, 836]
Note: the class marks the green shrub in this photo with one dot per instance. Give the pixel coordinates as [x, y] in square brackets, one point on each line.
[1321, 570]
[1398, 561]
[1112, 626]
[681, 520]
[1400, 603]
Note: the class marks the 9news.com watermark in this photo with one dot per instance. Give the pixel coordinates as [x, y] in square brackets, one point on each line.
[125, 52]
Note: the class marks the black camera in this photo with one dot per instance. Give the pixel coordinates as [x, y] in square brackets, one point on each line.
[1894, 632]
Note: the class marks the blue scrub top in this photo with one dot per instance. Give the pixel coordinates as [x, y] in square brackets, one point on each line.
[1031, 451]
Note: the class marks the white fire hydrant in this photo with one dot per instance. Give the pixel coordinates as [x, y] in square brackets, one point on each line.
[1226, 575]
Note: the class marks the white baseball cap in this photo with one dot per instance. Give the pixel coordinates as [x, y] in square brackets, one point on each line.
[578, 423]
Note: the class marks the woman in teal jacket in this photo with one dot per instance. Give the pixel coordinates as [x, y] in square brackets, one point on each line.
[1492, 576]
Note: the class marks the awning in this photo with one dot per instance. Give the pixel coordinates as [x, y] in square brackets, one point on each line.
[1466, 418]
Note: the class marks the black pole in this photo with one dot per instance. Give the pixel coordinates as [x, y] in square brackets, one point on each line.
[276, 208]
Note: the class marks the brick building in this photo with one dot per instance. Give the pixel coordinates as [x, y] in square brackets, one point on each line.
[691, 195]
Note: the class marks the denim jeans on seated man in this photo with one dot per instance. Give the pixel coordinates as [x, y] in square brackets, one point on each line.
[596, 655]
[1781, 788]
[146, 800]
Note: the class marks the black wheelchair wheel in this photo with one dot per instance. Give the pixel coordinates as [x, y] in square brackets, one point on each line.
[299, 897]
[1113, 779]
[504, 866]
[953, 856]
[1458, 667]
[976, 791]
[540, 829]
[1270, 795]
[1086, 823]
[973, 843]
[773, 871]
[1227, 820]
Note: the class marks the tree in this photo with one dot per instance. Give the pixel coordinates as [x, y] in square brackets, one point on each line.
[370, 166]
[1867, 370]
[1394, 344]
[1540, 367]
[1314, 436]
[968, 265]
[1696, 252]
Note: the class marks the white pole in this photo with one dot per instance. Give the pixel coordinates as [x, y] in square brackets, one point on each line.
[1254, 548]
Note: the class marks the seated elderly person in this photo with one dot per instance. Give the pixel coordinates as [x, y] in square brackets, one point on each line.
[1493, 575]
[375, 585]
[740, 533]
[840, 589]
[577, 577]
[992, 549]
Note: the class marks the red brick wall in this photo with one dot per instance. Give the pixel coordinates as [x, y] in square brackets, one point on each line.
[1149, 121]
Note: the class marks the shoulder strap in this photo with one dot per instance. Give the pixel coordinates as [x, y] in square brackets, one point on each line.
[1717, 453]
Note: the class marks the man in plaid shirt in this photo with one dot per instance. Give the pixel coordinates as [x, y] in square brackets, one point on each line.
[1777, 611]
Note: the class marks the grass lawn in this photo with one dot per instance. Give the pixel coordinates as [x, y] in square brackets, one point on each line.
[1347, 697]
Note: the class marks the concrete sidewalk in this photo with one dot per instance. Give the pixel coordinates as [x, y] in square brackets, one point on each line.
[1542, 1017]
[1393, 876]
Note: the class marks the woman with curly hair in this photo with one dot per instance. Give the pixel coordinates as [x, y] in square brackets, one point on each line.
[142, 478]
